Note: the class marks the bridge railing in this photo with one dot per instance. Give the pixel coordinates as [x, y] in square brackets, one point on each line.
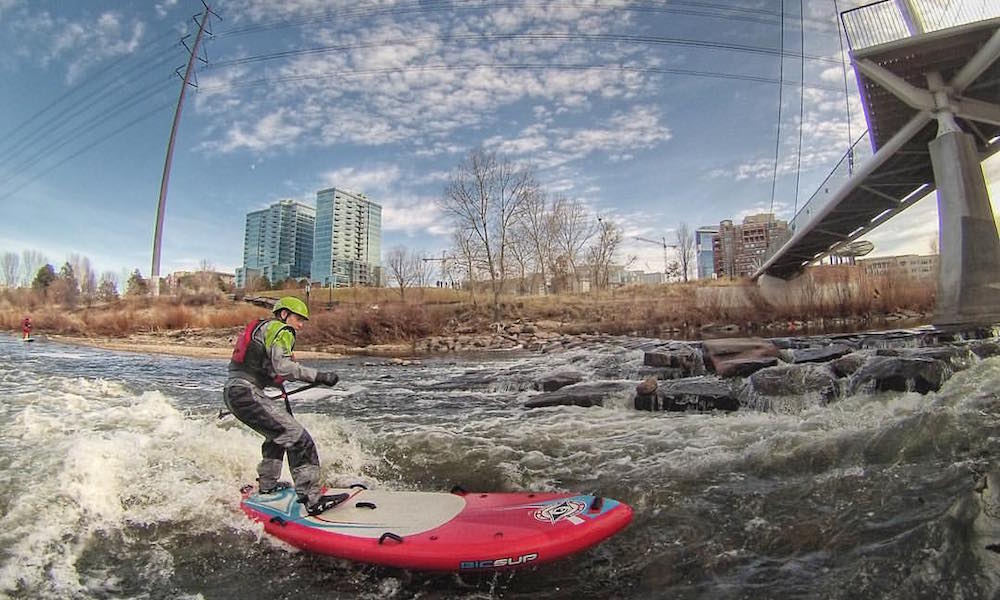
[883, 22]
[860, 151]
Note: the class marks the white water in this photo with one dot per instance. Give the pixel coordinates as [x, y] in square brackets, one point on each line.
[118, 480]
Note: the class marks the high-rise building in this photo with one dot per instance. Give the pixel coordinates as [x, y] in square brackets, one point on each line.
[347, 247]
[739, 250]
[703, 250]
[277, 243]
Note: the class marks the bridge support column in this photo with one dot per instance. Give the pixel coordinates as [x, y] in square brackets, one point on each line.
[968, 288]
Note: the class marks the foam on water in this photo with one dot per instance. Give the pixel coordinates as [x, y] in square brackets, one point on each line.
[109, 477]
[89, 461]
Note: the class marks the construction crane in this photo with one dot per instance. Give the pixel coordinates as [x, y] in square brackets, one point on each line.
[666, 251]
[445, 271]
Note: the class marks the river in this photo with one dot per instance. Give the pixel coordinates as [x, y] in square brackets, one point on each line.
[118, 480]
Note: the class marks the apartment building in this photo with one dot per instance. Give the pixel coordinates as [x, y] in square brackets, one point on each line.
[347, 246]
[739, 250]
[277, 243]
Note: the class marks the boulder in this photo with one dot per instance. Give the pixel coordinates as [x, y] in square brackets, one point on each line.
[846, 365]
[818, 354]
[958, 358]
[661, 373]
[696, 393]
[739, 357]
[557, 380]
[985, 348]
[648, 386]
[684, 359]
[795, 380]
[899, 373]
[588, 393]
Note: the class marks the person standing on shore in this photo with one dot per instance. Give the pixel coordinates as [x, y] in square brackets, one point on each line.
[262, 358]
[26, 328]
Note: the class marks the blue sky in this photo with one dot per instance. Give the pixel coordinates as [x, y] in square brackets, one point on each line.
[653, 114]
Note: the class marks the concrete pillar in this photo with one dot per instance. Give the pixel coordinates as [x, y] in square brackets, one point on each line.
[969, 277]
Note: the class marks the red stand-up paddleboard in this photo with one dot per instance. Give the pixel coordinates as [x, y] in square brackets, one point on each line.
[430, 531]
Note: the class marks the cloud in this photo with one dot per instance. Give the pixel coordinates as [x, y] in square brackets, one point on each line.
[275, 129]
[162, 8]
[372, 182]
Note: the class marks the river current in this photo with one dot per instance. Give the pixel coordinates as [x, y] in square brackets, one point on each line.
[118, 480]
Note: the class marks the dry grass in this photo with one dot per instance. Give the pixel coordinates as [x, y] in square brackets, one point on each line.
[372, 316]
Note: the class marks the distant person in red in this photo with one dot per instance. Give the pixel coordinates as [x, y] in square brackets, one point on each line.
[26, 327]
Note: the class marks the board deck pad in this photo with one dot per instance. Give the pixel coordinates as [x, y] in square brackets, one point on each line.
[436, 531]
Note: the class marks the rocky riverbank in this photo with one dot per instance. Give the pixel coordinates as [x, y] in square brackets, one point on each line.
[772, 374]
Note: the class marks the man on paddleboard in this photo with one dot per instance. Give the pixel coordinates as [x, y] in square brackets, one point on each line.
[263, 357]
[26, 328]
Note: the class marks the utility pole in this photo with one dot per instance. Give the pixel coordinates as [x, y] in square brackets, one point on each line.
[154, 273]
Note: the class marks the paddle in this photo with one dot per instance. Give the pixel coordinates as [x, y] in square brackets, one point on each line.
[283, 395]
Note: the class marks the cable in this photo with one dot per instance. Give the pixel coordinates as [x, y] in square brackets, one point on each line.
[10, 139]
[89, 147]
[781, 76]
[847, 96]
[802, 77]
[521, 66]
[547, 36]
[52, 128]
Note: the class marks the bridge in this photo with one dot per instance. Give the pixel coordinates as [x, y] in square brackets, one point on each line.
[930, 85]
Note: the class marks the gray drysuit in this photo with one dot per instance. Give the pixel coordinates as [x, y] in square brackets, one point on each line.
[269, 355]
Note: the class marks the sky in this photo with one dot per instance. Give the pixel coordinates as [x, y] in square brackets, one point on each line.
[653, 114]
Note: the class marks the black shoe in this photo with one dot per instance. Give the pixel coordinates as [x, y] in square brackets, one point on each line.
[325, 503]
[277, 487]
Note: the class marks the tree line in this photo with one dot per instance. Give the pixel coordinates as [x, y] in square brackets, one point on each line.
[76, 281]
[513, 235]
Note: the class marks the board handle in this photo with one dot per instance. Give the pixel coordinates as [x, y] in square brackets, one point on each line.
[370, 505]
[391, 536]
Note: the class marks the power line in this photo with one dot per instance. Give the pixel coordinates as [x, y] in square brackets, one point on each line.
[544, 36]
[11, 139]
[88, 147]
[802, 76]
[725, 12]
[777, 135]
[515, 66]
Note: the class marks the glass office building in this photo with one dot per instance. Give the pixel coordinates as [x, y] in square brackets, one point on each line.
[347, 245]
[277, 243]
[703, 249]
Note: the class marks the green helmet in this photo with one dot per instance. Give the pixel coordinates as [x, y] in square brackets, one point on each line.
[293, 304]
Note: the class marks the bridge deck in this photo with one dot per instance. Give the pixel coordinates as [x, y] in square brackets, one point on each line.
[868, 191]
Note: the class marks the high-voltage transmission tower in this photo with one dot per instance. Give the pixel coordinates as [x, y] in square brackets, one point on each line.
[154, 274]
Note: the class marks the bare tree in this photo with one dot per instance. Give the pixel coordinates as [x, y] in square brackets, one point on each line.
[483, 197]
[466, 258]
[602, 252]
[522, 257]
[31, 261]
[685, 249]
[85, 275]
[205, 277]
[10, 263]
[535, 227]
[403, 268]
[573, 226]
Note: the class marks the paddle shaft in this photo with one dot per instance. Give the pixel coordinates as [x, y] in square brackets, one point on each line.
[283, 395]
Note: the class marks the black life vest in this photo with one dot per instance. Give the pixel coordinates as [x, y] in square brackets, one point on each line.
[251, 356]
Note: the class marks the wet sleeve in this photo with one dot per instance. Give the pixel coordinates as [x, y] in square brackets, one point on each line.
[281, 360]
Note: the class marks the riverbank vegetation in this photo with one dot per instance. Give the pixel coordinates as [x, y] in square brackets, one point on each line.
[825, 298]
